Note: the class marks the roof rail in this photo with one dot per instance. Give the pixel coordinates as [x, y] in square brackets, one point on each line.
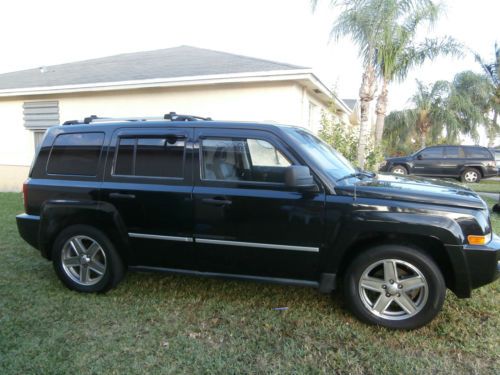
[172, 116]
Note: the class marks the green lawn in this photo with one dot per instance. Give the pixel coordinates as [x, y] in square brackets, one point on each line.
[154, 323]
[488, 186]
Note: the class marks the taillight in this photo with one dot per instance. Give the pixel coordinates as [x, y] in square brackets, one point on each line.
[25, 196]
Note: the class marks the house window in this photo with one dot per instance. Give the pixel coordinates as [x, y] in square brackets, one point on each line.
[38, 116]
[38, 138]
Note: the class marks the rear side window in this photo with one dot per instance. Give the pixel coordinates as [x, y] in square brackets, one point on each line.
[454, 152]
[477, 152]
[150, 157]
[75, 154]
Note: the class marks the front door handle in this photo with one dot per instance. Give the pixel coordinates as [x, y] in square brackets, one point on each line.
[217, 201]
[122, 196]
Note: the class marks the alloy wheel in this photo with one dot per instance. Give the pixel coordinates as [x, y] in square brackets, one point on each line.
[83, 260]
[470, 176]
[393, 289]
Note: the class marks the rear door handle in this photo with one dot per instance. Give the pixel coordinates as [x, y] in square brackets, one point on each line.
[122, 196]
[217, 201]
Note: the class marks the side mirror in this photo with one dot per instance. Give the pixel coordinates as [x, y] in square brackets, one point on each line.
[299, 177]
[419, 157]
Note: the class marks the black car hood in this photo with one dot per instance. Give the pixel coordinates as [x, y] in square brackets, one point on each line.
[413, 189]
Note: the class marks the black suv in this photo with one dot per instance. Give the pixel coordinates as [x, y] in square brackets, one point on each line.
[469, 163]
[256, 202]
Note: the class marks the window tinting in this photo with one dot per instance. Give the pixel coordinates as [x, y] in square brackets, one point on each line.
[75, 154]
[432, 152]
[454, 152]
[125, 157]
[150, 157]
[477, 152]
[252, 160]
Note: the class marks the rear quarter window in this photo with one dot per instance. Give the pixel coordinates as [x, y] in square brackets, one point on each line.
[75, 154]
[477, 152]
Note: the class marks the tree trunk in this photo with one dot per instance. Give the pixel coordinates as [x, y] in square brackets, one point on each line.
[423, 138]
[492, 131]
[366, 93]
[381, 110]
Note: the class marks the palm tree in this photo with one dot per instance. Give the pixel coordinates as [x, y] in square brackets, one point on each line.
[362, 20]
[384, 32]
[398, 53]
[469, 102]
[427, 119]
[492, 73]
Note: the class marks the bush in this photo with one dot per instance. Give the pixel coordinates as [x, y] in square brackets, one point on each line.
[345, 138]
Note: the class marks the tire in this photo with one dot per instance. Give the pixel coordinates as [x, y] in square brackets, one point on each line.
[85, 260]
[399, 169]
[470, 175]
[418, 285]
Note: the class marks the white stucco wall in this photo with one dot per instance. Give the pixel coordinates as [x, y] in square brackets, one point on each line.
[282, 102]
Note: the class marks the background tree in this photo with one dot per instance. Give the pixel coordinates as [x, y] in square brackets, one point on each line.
[398, 52]
[492, 74]
[428, 119]
[362, 21]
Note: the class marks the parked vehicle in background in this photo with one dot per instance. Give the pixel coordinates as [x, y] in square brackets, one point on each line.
[467, 163]
[496, 152]
[259, 202]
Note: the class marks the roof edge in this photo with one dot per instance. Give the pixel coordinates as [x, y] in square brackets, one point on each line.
[273, 75]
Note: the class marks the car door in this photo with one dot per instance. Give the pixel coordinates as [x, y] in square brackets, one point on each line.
[453, 160]
[428, 162]
[246, 221]
[148, 179]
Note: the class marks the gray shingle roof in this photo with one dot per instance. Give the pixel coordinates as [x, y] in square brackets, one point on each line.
[174, 62]
[350, 103]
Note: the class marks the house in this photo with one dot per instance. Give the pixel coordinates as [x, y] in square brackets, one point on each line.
[183, 79]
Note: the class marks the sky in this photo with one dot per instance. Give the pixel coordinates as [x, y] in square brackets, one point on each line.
[48, 32]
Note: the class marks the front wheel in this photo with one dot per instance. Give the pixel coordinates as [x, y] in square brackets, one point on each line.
[399, 169]
[394, 286]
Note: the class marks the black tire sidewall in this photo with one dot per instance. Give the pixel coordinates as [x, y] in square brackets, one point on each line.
[114, 266]
[434, 278]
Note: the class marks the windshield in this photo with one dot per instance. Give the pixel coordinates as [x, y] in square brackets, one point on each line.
[329, 160]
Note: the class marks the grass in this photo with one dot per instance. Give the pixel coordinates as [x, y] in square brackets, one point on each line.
[487, 186]
[153, 323]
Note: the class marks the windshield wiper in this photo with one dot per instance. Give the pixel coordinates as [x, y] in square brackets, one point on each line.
[357, 174]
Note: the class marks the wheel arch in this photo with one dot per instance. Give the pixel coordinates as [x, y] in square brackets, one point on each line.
[58, 215]
[431, 246]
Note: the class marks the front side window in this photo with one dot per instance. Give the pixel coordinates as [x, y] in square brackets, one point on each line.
[432, 153]
[150, 157]
[242, 159]
[75, 154]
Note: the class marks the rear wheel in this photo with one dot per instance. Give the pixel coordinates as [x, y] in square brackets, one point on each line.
[399, 169]
[85, 259]
[394, 286]
[471, 175]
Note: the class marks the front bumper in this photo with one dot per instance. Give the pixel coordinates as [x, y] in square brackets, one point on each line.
[483, 262]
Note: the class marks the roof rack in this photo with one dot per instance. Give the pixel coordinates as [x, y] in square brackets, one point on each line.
[172, 116]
